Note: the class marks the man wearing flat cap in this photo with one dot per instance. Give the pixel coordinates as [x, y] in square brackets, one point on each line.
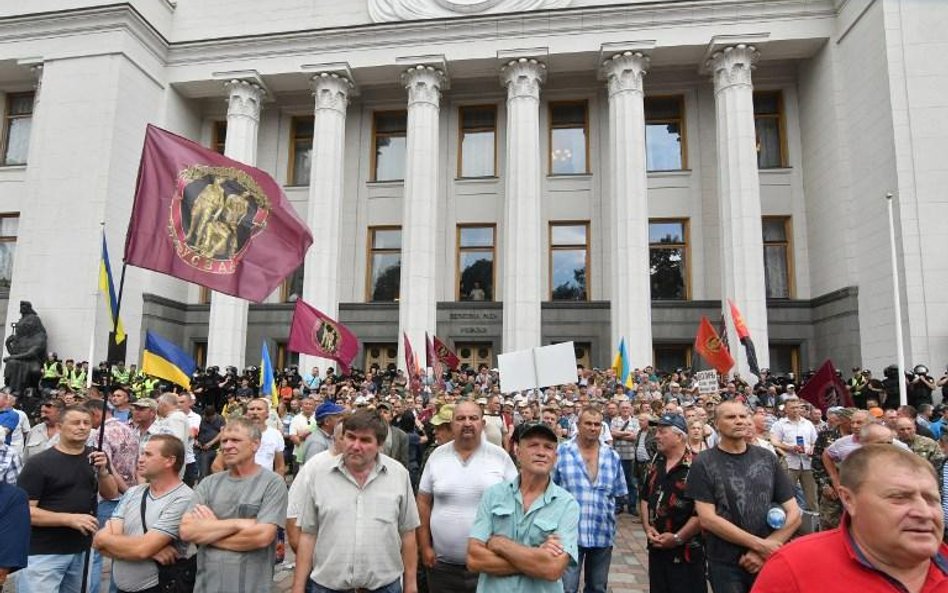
[675, 547]
[525, 532]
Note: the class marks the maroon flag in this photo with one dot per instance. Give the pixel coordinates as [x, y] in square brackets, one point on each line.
[817, 389]
[445, 354]
[410, 365]
[211, 220]
[314, 332]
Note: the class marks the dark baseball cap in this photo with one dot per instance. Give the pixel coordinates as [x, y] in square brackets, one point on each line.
[673, 420]
[528, 429]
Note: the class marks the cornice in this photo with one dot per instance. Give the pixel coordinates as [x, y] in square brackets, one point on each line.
[566, 21]
[85, 21]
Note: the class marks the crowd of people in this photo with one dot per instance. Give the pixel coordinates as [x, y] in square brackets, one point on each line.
[382, 483]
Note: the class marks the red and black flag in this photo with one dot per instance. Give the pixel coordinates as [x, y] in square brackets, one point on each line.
[202, 217]
[445, 354]
[708, 345]
[818, 390]
[314, 332]
[744, 336]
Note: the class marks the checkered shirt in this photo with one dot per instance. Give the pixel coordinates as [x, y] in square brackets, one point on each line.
[10, 464]
[597, 507]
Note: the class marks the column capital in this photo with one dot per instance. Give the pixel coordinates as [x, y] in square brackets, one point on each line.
[732, 65]
[331, 91]
[244, 98]
[424, 84]
[624, 72]
[523, 77]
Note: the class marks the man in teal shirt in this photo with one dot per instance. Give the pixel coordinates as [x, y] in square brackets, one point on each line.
[525, 534]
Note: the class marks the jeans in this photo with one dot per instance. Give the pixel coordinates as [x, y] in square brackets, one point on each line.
[204, 460]
[729, 578]
[393, 587]
[52, 573]
[103, 513]
[631, 502]
[594, 562]
[451, 578]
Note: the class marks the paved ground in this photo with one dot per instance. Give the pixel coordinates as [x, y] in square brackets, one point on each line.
[628, 574]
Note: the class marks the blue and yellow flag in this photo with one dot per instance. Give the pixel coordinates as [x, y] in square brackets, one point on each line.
[107, 286]
[267, 382]
[167, 361]
[621, 366]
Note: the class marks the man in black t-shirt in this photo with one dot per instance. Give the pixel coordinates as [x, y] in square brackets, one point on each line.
[62, 483]
[734, 486]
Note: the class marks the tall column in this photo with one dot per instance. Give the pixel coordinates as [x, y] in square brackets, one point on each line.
[417, 305]
[227, 325]
[321, 266]
[742, 248]
[522, 222]
[631, 290]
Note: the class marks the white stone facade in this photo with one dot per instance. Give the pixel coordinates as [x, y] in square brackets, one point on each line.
[861, 92]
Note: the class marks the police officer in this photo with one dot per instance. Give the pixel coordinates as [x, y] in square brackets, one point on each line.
[52, 372]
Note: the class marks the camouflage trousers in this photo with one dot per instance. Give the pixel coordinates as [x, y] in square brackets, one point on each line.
[830, 513]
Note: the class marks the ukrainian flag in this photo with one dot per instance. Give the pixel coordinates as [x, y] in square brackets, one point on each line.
[165, 360]
[267, 382]
[620, 364]
[107, 286]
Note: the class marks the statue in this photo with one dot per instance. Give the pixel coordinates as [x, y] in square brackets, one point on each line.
[27, 348]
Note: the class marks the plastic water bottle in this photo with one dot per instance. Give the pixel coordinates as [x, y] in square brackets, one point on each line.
[776, 517]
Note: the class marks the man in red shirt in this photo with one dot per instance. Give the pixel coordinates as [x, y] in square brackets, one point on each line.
[890, 538]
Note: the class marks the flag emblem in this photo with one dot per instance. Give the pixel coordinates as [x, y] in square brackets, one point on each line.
[713, 344]
[327, 336]
[215, 214]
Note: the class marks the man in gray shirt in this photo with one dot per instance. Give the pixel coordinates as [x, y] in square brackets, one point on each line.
[135, 548]
[359, 519]
[234, 517]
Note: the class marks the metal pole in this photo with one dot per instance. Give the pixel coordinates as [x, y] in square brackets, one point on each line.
[897, 300]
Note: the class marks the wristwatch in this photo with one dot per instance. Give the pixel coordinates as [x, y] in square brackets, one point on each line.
[677, 539]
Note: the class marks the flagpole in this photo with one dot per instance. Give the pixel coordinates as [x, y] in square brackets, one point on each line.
[897, 299]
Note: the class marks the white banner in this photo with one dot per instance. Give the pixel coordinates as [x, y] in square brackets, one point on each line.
[537, 367]
[707, 381]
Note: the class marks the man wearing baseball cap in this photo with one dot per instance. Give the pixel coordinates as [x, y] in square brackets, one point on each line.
[675, 548]
[327, 415]
[518, 550]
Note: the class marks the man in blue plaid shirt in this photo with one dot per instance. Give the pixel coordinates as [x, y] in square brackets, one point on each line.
[10, 463]
[592, 473]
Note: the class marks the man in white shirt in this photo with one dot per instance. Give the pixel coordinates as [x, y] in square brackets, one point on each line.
[172, 421]
[302, 425]
[185, 403]
[270, 454]
[455, 476]
[795, 436]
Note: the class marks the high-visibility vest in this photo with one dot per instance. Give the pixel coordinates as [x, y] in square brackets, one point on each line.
[67, 373]
[77, 378]
[120, 376]
[51, 369]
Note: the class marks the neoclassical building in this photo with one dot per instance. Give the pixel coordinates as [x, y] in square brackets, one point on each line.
[504, 173]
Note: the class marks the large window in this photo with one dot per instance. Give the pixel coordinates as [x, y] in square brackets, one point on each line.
[389, 141]
[285, 358]
[668, 259]
[9, 223]
[385, 263]
[199, 350]
[778, 262]
[476, 263]
[219, 136]
[292, 288]
[569, 138]
[665, 133]
[16, 128]
[301, 150]
[477, 140]
[569, 261]
[769, 124]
